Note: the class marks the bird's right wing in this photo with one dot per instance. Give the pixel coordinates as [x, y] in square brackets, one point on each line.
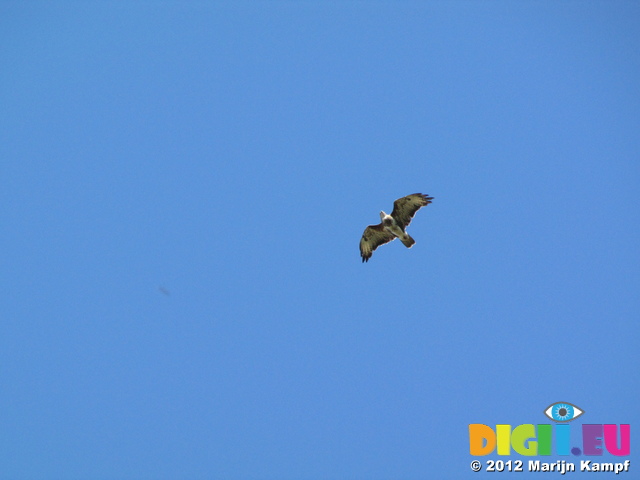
[372, 238]
[406, 207]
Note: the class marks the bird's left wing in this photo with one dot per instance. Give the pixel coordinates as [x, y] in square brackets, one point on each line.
[406, 207]
[372, 238]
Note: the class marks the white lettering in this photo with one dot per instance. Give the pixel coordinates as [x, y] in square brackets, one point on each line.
[589, 466]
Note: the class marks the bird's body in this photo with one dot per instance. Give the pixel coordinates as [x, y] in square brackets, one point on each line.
[390, 225]
[393, 226]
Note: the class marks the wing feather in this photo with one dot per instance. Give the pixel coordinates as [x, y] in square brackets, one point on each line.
[406, 207]
[372, 238]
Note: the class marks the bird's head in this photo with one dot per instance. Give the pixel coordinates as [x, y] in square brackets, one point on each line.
[382, 215]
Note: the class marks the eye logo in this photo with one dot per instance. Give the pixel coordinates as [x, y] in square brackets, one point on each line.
[563, 412]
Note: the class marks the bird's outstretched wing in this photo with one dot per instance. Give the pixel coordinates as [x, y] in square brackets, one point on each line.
[406, 207]
[372, 238]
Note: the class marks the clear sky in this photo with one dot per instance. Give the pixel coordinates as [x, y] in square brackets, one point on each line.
[184, 186]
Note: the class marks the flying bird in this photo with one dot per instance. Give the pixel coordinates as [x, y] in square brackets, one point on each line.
[393, 226]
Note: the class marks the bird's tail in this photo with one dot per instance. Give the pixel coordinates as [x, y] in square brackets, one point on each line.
[408, 241]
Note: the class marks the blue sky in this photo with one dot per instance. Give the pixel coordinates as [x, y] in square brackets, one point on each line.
[232, 153]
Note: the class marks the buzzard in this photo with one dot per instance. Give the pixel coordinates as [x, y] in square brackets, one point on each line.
[393, 225]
